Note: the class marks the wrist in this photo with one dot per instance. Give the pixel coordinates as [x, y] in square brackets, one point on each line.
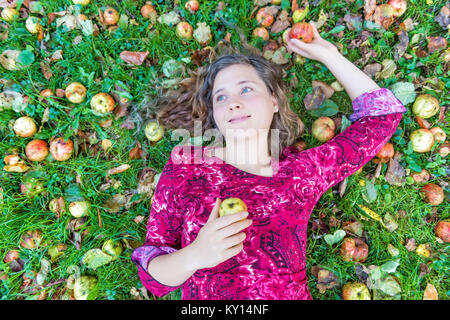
[332, 57]
[190, 258]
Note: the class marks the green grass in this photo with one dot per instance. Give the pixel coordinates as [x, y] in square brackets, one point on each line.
[96, 63]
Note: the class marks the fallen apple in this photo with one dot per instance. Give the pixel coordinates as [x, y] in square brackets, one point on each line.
[36, 150]
[355, 291]
[442, 230]
[82, 2]
[300, 14]
[79, 209]
[384, 15]
[261, 32]
[24, 127]
[148, 11]
[422, 177]
[60, 149]
[425, 106]
[113, 248]
[433, 194]
[192, 6]
[46, 93]
[323, 129]
[153, 131]
[184, 30]
[8, 60]
[11, 255]
[75, 92]
[85, 288]
[102, 103]
[354, 249]
[8, 14]
[438, 134]
[303, 31]
[444, 149]
[31, 239]
[231, 206]
[399, 7]
[422, 140]
[33, 24]
[31, 186]
[57, 206]
[385, 153]
[110, 16]
[264, 19]
[300, 145]
[276, 2]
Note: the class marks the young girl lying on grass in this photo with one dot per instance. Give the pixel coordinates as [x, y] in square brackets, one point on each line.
[258, 254]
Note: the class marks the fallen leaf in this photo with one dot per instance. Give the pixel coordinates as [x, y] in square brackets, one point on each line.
[171, 18]
[326, 279]
[410, 244]
[334, 238]
[136, 152]
[315, 99]
[282, 22]
[393, 251]
[443, 17]
[95, 258]
[424, 250]
[202, 34]
[388, 71]
[436, 44]
[326, 89]
[430, 293]
[369, 8]
[372, 69]
[400, 48]
[134, 57]
[395, 174]
[354, 228]
[119, 169]
[145, 181]
[115, 203]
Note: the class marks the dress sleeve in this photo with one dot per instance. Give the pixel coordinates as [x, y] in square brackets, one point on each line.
[377, 114]
[163, 231]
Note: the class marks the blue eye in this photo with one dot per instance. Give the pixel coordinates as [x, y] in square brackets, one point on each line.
[219, 97]
[246, 89]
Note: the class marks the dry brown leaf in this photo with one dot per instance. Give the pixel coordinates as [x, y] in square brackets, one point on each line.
[282, 22]
[369, 8]
[410, 244]
[119, 169]
[133, 57]
[315, 99]
[430, 293]
[326, 89]
[136, 152]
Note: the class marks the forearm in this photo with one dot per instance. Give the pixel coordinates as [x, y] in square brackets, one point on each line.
[173, 269]
[354, 80]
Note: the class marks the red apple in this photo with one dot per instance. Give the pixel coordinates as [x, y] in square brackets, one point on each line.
[300, 145]
[102, 103]
[421, 177]
[323, 129]
[192, 6]
[110, 16]
[425, 106]
[36, 150]
[24, 127]
[303, 31]
[148, 11]
[422, 140]
[184, 30]
[442, 230]
[11, 255]
[31, 239]
[61, 150]
[75, 92]
[438, 134]
[261, 32]
[355, 291]
[31, 186]
[354, 249]
[263, 18]
[433, 194]
[399, 7]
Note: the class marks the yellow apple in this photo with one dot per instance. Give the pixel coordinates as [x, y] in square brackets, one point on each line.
[231, 205]
[75, 92]
[102, 103]
[154, 131]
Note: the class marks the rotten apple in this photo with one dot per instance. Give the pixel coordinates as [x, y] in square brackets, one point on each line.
[36, 150]
[438, 134]
[192, 6]
[110, 16]
[442, 230]
[75, 92]
[261, 32]
[85, 288]
[425, 106]
[264, 19]
[8, 14]
[31, 185]
[433, 194]
[422, 140]
[384, 15]
[33, 24]
[102, 103]
[79, 209]
[60, 149]
[153, 131]
[24, 127]
[323, 129]
[354, 249]
[300, 14]
[399, 7]
[57, 206]
[184, 30]
[303, 31]
[113, 248]
[31, 239]
[148, 11]
[231, 206]
[421, 177]
[355, 291]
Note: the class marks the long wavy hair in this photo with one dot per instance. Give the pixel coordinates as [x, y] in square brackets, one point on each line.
[192, 100]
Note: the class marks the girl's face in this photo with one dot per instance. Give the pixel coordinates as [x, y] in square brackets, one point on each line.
[239, 92]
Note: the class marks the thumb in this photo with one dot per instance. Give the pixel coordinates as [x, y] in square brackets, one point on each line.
[316, 33]
[215, 211]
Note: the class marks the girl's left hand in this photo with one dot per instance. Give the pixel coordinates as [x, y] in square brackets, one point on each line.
[318, 49]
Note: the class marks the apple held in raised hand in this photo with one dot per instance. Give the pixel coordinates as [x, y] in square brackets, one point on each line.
[102, 103]
[323, 129]
[355, 291]
[422, 140]
[425, 106]
[153, 131]
[60, 149]
[24, 127]
[36, 150]
[302, 31]
[184, 30]
[354, 249]
[75, 92]
[231, 206]
[442, 230]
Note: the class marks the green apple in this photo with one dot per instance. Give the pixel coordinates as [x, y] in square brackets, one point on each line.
[231, 206]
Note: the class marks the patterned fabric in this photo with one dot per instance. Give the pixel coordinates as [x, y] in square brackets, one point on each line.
[272, 264]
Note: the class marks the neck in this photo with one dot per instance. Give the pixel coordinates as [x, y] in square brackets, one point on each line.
[248, 152]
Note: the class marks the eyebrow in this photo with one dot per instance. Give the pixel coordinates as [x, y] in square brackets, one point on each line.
[239, 83]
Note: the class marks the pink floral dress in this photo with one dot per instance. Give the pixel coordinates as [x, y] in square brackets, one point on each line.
[272, 263]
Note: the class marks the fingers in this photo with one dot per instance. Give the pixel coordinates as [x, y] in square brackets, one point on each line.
[224, 221]
[234, 228]
[215, 211]
[234, 240]
[316, 33]
[231, 252]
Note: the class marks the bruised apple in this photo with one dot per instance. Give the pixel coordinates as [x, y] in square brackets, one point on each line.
[438, 134]
[79, 209]
[110, 16]
[75, 92]
[113, 248]
[192, 6]
[399, 7]
[421, 177]
[433, 194]
[31, 239]
[442, 230]
[148, 11]
[323, 129]
[85, 288]
[32, 24]
[24, 127]
[355, 291]
[425, 106]
[263, 18]
[384, 15]
[36, 150]
[303, 31]
[354, 249]
[153, 131]
[261, 32]
[102, 103]
[60, 149]
[184, 30]
[231, 206]
[422, 140]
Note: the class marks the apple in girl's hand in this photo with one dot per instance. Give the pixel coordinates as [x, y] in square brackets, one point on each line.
[102, 103]
[184, 30]
[192, 6]
[110, 16]
[355, 291]
[36, 150]
[61, 150]
[113, 248]
[24, 127]
[79, 209]
[32, 24]
[433, 194]
[425, 106]
[82, 2]
[263, 18]
[153, 131]
[422, 140]
[75, 92]
[31, 239]
[421, 177]
[438, 134]
[300, 14]
[85, 288]
[261, 32]
[399, 7]
[231, 205]
[354, 249]
[303, 31]
[323, 129]
[442, 230]
[8, 14]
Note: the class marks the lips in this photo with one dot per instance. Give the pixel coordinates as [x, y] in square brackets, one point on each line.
[238, 119]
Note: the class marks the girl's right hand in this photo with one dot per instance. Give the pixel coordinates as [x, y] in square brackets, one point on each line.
[219, 239]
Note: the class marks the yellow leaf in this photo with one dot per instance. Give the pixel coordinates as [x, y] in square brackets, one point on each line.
[423, 250]
[430, 293]
[372, 214]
